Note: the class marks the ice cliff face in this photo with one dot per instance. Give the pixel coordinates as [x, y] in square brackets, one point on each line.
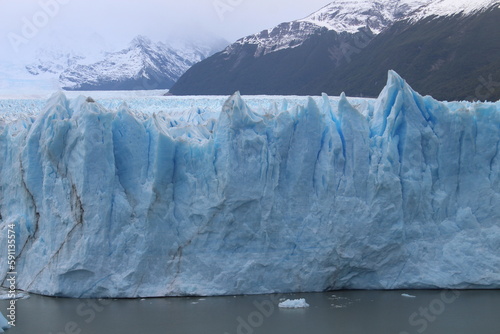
[401, 193]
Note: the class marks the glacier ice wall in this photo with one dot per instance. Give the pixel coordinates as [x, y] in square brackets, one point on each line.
[404, 193]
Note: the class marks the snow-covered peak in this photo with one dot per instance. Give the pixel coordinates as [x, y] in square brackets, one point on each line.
[147, 63]
[351, 15]
[453, 7]
[141, 41]
[341, 16]
[52, 61]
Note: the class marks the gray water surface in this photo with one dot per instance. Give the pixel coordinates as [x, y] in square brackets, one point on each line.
[371, 312]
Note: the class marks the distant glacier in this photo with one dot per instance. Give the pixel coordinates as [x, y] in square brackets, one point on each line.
[398, 192]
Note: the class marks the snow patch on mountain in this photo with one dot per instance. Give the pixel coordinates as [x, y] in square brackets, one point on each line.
[352, 15]
[287, 35]
[349, 16]
[452, 7]
[53, 62]
[86, 62]
[152, 66]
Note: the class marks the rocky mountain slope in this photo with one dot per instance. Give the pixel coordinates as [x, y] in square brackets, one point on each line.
[142, 65]
[337, 46]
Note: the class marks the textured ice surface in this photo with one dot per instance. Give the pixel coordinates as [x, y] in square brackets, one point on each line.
[3, 323]
[5, 294]
[395, 193]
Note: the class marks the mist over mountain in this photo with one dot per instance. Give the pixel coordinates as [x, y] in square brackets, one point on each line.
[143, 65]
[93, 63]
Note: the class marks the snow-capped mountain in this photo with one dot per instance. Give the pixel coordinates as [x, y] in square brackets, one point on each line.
[340, 16]
[59, 53]
[352, 15]
[53, 61]
[92, 63]
[308, 56]
[349, 22]
[442, 8]
[143, 65]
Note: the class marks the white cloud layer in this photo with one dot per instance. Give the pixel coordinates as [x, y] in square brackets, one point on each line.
[27, 24]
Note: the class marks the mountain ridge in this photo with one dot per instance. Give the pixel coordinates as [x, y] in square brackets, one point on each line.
[141, 65]
[250, 66]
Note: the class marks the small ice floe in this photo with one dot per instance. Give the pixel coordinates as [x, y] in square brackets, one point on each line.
[338, 306]
[340, 302]
[143, 299]
[294, 303]
[408, 296]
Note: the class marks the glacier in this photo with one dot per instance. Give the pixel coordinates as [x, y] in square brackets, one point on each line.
[4, 324]
[399, 192]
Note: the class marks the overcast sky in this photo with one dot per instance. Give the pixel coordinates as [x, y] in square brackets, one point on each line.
[26, 23]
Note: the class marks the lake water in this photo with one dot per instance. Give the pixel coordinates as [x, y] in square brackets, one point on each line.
[370, 312]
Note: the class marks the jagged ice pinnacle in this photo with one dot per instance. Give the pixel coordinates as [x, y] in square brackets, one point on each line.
[404, 193]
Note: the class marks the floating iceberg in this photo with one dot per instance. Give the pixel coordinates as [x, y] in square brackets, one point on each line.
[293, 303]
[395, 193]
